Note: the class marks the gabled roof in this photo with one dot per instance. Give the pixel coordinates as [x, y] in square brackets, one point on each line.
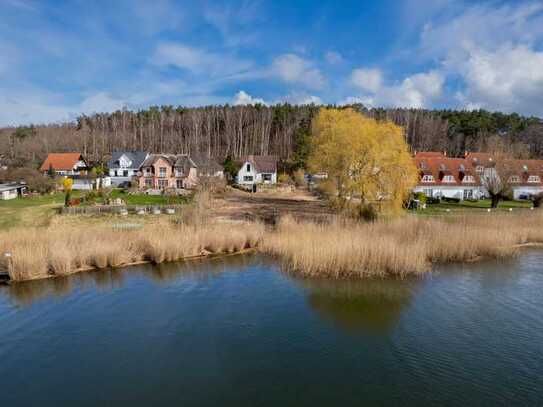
[439, 167]
[137, 158]
[175, 160]
[262, 163]
[61, 161]
[205, 163]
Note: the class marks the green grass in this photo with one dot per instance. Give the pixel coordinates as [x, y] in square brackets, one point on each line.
[143, 199]
[38, 211]
[475, 206]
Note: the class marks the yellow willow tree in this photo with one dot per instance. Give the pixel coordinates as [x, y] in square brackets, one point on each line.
[369, 160]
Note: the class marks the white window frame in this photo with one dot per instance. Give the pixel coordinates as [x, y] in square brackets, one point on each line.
[468, 179]
[428, 178]
[534, 178]
[514, 179]
[448, 179]
[162, 172]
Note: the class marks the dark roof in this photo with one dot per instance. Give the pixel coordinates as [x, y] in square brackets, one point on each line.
[137, 158]
[205, 163]
[262, 163]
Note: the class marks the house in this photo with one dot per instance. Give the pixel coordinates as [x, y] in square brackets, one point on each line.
[206, 166]
[65, 164]
[257, 169]
[442, 176]
[12, 190]
[125, 165]
[168, 171]
[465, 178]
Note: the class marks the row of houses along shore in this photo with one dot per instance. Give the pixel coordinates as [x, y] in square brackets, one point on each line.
[439, 175]
[148, 171]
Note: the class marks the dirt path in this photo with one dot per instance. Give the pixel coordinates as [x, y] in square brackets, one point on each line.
[268, 206]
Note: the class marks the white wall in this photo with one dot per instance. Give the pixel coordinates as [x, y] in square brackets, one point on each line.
[526, 191]
[11, 194]
[449, 191]
[257, 178]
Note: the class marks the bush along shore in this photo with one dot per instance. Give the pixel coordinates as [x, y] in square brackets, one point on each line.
[337, 249]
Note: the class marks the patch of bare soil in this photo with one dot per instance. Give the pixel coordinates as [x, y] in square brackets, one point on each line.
[268, 206]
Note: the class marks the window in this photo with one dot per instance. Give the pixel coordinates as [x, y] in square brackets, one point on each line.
[163, 183]
[149, 183]
[468, 178]
[248, 178]
[448, 178]
[534, 178]
[116, 173]
[148, 171]
[162, 172]
[428, 192]
[428, 178]
[479, 168]
[248, 168]
[179, 183]
[125, 173]
[514, 178]
[267, 177]
[468, 193]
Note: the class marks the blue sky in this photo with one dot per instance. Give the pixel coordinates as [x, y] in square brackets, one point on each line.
[62, 58]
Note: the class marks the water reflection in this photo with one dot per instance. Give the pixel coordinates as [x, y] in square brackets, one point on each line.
[368, 306]
[26, 293]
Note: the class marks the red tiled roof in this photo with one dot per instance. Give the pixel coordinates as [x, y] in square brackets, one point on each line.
[60, 161]
[439, 167]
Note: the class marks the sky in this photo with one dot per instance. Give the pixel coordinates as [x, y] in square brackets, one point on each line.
[59, 59]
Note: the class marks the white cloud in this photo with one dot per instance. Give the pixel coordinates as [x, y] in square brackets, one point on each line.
[508, 79]
[296, 98]
[495, 51]
[367, 79]
[333, 57]
[199, 61]
[243, 98]
[415, 91]
[293, 69]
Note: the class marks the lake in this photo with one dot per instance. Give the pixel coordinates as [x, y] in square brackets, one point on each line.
[240, 332]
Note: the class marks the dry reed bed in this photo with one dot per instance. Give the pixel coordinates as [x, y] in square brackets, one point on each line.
[401, 247]
[61, 250]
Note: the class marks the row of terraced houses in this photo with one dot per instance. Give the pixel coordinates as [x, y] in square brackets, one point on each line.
[464, 178]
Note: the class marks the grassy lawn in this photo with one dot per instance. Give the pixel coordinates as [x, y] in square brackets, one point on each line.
[39, 210]
[143, 199]
[467, 206]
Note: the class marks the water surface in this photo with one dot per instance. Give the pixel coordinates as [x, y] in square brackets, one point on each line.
[239, 332]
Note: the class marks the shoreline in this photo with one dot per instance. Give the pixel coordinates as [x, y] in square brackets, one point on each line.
[250, 250]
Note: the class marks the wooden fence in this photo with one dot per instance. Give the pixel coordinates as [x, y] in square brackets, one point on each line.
[110, 209]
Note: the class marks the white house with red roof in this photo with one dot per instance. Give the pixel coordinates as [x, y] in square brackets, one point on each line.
[464, 178]
[443, 176]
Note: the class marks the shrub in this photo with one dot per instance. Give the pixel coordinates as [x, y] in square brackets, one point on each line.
[421, 197]
[299, 177]
[284, 178]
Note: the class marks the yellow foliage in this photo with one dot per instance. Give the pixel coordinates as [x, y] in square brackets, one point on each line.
[369, 160]
[67, 183]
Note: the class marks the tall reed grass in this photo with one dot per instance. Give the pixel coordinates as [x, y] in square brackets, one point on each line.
[63, 249]
[401, 247]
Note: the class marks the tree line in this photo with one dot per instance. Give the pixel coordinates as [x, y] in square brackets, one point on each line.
[233, 131]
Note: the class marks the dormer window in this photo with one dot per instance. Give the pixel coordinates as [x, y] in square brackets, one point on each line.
[427, 178]
[479, 168]
[422, 165]
[462, 168]
[514, 179]
[525, 168]
[248, 168]
[442, 167]
[448, 178]
[534, 178]
[468, 179]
